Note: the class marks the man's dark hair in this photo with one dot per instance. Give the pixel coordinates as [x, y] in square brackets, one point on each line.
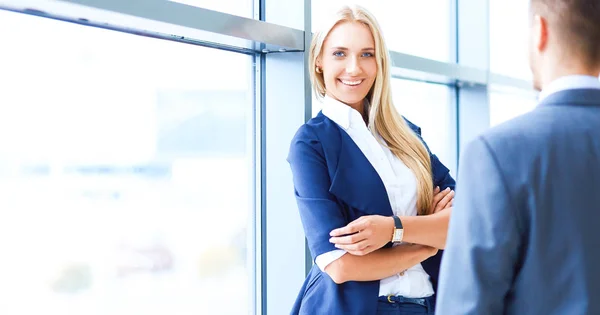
[578, 24]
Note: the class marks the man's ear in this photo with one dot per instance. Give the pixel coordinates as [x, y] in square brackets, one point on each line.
[540, 32]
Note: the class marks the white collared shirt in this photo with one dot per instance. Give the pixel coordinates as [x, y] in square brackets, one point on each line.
[569, 82]
[401, 186]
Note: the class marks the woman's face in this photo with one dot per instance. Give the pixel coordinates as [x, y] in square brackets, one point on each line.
[348, 63]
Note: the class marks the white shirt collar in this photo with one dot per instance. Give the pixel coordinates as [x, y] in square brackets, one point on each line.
[342, 114]
[568, 83]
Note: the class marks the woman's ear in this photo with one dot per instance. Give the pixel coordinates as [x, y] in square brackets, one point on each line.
[318, 67]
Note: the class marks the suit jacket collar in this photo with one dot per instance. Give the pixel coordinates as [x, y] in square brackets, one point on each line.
[590, 97]
[569, 82]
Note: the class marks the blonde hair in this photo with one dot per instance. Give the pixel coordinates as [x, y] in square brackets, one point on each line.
[384, 119]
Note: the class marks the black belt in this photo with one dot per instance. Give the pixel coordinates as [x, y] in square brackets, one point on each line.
[401, 299]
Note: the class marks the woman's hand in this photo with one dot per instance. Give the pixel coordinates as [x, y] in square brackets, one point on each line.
[369, 233]
[364, 235]
[442, 199]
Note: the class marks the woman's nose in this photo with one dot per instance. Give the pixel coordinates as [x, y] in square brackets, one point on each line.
[353, 66]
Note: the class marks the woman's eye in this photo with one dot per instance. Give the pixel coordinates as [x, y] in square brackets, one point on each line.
[339, 54]
[367, 54]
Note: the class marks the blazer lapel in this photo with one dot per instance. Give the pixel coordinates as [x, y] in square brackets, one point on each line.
[357, 183]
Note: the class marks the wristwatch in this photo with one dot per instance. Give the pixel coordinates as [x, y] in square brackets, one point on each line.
[398, 230]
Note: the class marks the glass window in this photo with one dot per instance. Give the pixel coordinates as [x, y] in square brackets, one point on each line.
[509, 29]
[411, 27]
[244, 8]
[126, 183]
[429, 106]
[505, 106]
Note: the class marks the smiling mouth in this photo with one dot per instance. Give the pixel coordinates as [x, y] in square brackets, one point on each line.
[351, 82]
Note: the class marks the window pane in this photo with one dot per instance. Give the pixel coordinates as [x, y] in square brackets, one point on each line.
[509, 29]
[505, 106]
[125, 173]
[243, 8]
[412, 27]
[429, 106]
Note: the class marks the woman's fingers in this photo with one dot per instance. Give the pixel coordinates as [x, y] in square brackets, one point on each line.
[443, 204]
[348, 239]
[352, 227]
[358, 249]
[440, 195]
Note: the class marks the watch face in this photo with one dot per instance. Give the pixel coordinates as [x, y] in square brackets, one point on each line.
[398, 234]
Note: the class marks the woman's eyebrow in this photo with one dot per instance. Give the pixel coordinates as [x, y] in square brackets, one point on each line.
[344, 48]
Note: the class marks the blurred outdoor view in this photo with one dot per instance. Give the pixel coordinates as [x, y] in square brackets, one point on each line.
[126, 173]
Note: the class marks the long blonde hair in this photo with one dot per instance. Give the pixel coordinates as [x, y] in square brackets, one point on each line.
[384, 119]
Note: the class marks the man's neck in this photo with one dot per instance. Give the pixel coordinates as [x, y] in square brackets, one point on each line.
[567, 69]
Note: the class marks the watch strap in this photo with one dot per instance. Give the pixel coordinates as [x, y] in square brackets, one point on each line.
[397, 222]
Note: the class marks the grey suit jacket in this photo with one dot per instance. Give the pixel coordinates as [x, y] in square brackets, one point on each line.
[524, 235]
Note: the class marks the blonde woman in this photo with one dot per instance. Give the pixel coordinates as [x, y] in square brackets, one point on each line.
[362, 174]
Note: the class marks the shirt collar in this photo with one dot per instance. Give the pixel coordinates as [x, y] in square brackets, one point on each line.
[342, 114]
[568, 83]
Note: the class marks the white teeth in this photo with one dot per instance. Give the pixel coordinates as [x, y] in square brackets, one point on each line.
[351, 82]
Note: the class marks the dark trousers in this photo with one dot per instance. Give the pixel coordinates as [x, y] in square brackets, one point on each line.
[399, 305]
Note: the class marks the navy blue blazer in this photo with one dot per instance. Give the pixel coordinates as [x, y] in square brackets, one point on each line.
[334, 185]
[524, 236]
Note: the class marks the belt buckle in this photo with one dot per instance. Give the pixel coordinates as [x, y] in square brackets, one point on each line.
[389, 298]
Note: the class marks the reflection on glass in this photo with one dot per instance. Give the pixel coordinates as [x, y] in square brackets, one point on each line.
[411, 27]
[505, 106]
[125, 182]
[509, 28]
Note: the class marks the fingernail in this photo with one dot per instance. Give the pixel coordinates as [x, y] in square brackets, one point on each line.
[447, 188]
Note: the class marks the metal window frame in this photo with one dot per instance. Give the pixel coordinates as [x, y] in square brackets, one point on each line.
[472, 51]
[189, 24]
[169, 20]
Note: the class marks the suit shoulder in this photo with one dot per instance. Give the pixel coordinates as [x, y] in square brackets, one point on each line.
[309, 130]
[517, 132]
[412, 126]
[316, 129]
[534, 133]
[312, 134]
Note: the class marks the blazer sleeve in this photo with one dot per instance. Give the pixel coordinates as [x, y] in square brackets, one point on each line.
[482, 250]
[441, 174]
[320, 211]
